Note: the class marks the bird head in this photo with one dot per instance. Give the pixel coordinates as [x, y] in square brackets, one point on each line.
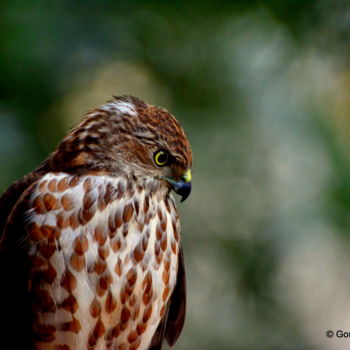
[127, 137]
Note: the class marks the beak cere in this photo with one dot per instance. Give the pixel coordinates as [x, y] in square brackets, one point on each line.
[183, 187]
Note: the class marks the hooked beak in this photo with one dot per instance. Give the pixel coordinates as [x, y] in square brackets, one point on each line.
[182, 187]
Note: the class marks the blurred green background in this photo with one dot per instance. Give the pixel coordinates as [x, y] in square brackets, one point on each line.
[262, 89]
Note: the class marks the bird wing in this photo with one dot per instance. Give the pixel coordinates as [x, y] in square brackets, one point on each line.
[10, 197]
[14, 305]
[173, 321]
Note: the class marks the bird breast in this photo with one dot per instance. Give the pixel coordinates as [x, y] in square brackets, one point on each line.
[103, 261]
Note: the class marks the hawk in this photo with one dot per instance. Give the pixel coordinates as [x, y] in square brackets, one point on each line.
[90, 252]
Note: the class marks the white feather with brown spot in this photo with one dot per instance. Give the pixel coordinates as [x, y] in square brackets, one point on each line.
[87, 282]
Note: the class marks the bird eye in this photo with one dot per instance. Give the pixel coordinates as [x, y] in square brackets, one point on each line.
[161, 158]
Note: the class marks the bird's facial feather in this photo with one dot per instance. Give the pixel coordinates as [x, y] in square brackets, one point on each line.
[122, 137]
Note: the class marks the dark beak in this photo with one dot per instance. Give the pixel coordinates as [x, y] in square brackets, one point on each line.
[180, 187]
[183, 189]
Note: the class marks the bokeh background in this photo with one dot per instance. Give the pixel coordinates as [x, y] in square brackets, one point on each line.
[263, 91]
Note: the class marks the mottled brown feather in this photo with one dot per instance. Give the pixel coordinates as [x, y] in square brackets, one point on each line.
[173, 320]
[15, 314]
[11, 196]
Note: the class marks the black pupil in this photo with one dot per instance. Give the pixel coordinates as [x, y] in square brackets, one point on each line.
[162, 158]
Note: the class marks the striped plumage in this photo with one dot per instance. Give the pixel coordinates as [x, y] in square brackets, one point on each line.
[90, 249]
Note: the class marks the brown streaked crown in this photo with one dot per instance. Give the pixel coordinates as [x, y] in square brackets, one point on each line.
[119, 137]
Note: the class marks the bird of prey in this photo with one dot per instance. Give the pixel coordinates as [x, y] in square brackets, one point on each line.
[90, 252]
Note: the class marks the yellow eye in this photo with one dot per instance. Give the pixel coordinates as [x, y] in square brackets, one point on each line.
[161, 158]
